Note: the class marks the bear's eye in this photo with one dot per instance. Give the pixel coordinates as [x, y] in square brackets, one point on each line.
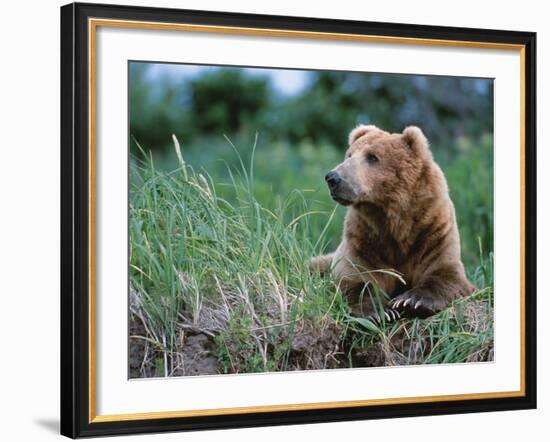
[371, 158]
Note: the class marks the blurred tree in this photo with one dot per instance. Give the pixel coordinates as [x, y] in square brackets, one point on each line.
[156, 110]
[325, 112]
[226, 100]
[222, 101]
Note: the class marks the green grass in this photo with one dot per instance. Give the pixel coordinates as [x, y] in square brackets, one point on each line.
[227, 258]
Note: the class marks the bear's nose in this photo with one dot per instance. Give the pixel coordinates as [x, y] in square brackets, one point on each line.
[333, 179]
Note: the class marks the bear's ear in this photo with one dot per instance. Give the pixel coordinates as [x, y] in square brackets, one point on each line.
[416, 140]
[359, 131]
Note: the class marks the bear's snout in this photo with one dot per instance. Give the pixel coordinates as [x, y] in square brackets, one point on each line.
[333, 179]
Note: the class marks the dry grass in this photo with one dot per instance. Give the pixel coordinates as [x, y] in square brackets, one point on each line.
[326, 344]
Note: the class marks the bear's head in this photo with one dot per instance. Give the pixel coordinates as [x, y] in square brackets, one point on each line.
[379, 167]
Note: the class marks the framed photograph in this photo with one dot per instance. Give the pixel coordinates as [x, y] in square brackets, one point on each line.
[274, 220]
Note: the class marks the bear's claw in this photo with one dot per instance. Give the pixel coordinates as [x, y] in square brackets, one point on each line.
[415, 304]
[390, 315]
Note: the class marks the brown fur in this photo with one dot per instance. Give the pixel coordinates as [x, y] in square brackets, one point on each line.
[399, 217]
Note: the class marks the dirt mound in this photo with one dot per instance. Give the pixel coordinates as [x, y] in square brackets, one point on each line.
[239, 337]
[316, 347]
[139, 365]
[197, 356]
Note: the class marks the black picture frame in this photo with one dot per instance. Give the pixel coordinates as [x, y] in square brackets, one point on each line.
[75, 220]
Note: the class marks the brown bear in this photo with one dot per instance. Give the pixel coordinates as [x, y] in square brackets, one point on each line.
[400, 230]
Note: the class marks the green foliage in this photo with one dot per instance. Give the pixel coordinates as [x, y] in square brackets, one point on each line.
[336, 101]
[230, 101]
[470, 179]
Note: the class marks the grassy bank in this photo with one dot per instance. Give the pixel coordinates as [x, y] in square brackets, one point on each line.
[219, 276]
